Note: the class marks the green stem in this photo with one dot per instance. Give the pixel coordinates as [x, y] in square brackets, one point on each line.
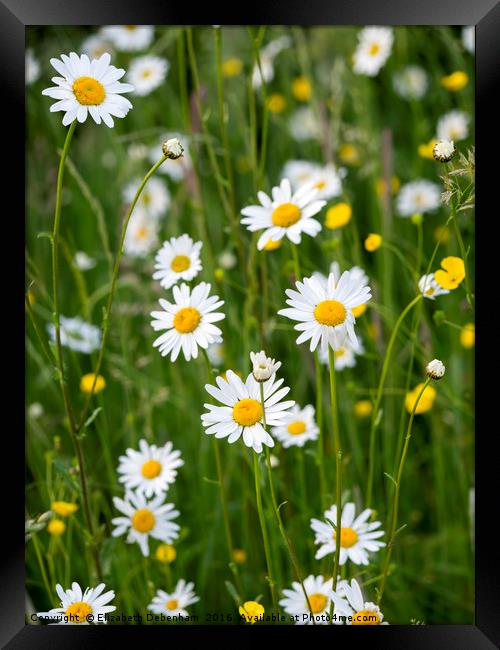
[395, 505]
[296, 262]
[320, 454]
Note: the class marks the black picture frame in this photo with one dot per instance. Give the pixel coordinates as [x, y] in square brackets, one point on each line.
[15, 15]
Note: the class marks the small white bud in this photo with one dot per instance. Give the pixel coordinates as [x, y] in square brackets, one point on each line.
[435, 369]
[444, 150]
[263, 367]
[172, 148]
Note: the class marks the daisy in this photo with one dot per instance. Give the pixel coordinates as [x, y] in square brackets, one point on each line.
[188, 321]
[175, 603]
[325, 313]
[242, 411]
[32, 67]
[304, 125]
[95, 46]
[373, 50]
[298, 427]
[178, 259]
[142, 234]
[429, 288]
[154, 199]
[129, 38]
[146, 73]
[150, 470]
[76, 607]
[357, 535]
[411, 82]
[215, 353]
[88, 87]
[77, 334]
[267, 55]
[285, 214]
[469, 38]
[418, 197]
[318, 592]
[324, 178]
[353, 606]
[345, 355]
[177, 168]
[144, 519]
[454, 125]
[357, 275]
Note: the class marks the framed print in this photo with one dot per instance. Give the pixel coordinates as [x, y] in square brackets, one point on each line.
[250, 291]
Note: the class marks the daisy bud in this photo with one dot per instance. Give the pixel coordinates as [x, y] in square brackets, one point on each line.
[172, 149]
[444, 150]
[435, 369]
[263, 367]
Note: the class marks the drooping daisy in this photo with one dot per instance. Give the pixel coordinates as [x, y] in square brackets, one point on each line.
[177, 168]
[373, 50]
[298, 427]
[146, 73]
[469, 38]
[144, 519]
[77, 334]
[129, 38]
[88, 87]
[325, 313]
[353, 606]
[318, 591]
[175, 603]
[429, 288]
[178, 259]
[325, 178]
[454, 125]
[418, 197]
[96, 45]
[154, 199]
[263, 367]
[150, 470]
[267, 55]
[286, 214]
[345, 355]
[242, 412]
[142, 234]
[304, 124]
[32, 67]
[358, 537]
[189, 321]
[76, 607]
[411, 82]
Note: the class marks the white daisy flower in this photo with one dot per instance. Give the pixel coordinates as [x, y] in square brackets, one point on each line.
[83, 262]
[227, 260]
[429, 288]
[178, 259]
[353, 606]
[77, 334]
[325, 313]
[215, 353]
[137, 152]
[454, 125]
[304, 125]
[318, 592]
[76, 607]
[286, 214]
[95, 46]
[146, 73]
[150, 470]
[358, 537]
[418, 197]
[325, 178]
[129, 38]
[357, 274]
[469, 38]
[176, 168]
[242, 411]
[411, 82]
[373, 50]
[345, 355]
[298, 427]
[88, 87]
[188, 321]
[267, 55]
[154, 199]
[263, 367]
[144, 519]
[175, 603]
[32, 67]
[142, 234]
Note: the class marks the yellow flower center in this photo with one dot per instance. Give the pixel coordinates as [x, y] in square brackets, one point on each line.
[374, 49]
[285, 215]
[172, 604]
[330, 312]
[317, 602]
[151, 469]
[187, 320]
[348, 537]
[296, 428]
[143, 520]
[247, 412]
[180, 263]
[89, 91]
[78, 612]
[141, 233]
[146, 73]
[320, 185]
[365, 617]
[146, 198]
[131, 28]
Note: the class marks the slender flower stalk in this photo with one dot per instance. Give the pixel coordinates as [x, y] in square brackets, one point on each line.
[397, 487]
[320, 454]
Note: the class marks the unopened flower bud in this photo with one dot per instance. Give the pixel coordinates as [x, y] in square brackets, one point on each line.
[172, 149]
[435, 369]
[444, 150]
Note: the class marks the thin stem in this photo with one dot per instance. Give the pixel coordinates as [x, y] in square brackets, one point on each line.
[320, 454]
[338, 464]
[378, 398]
[296, 262]
[397, 487]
